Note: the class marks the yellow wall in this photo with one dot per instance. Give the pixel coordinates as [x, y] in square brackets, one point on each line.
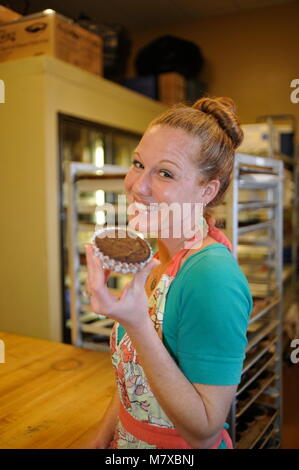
[36, 90]
[251, 56]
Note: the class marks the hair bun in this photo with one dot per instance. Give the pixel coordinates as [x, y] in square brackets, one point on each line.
[224, 111]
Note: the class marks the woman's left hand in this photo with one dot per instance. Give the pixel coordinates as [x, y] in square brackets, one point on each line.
[131, 306]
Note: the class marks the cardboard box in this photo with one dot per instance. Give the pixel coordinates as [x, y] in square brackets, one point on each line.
[6, 14]
[172, 88]
[48, 33]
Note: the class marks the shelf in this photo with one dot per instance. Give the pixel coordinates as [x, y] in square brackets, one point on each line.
[86, 227]
[263, 261]
[87, 317]
[264, 310]
[86, 308]
[285, 158]
[255, 376]
[111, 184]
[256, 170]
[289, 299]
[267, 438]
[87, 209]
[258, 186]
[256, 431]
[95, 346]
[261, 280]
[267, 243]
[264, 332]
[255, 227]
[250, 362]
[100, 327]
[245, 206]
[263, 385]
[288, 271]
[262, 290]
[275, 446]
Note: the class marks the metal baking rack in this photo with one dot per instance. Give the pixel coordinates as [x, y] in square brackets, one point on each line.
[290, 211]
[87, 328]
[254, 224]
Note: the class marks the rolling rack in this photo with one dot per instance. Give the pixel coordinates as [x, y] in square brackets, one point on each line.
[88, 329]
[291, 218]
[254, 223]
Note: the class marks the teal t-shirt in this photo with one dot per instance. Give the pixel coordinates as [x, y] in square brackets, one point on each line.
[206, 317]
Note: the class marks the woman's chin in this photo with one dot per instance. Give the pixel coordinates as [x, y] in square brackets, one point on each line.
[145, 229]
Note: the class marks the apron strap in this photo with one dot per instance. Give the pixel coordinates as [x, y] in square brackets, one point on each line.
[162, 438]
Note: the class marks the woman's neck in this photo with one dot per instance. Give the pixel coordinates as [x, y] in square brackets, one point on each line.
[167, 250]
[168, 247]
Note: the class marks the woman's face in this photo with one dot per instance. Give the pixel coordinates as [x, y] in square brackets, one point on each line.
[163, 171]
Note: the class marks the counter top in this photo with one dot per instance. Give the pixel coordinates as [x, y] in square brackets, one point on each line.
[53, 395]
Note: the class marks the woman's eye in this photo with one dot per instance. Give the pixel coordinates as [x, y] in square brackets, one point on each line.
[166, 174]
[137, 164]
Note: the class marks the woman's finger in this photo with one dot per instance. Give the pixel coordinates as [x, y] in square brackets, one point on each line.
[96, 280]
[141, 277]
[125, 290]
[94, 264]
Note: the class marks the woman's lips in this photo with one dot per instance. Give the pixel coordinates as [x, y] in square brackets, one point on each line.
[141, 207]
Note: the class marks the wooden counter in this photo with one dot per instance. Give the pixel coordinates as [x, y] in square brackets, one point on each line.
[53, 395]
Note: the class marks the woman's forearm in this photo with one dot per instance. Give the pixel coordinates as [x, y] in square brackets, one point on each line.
[177, 396]
[108, 423]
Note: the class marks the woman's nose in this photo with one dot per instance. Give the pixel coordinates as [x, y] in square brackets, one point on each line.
[142, 185]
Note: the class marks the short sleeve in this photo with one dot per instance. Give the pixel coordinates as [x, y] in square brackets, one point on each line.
[213, 304]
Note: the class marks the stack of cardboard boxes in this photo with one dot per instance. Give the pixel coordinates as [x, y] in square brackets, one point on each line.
[48, 33]
[172, 88]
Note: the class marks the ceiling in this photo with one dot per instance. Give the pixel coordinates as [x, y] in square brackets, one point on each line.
[141, 14]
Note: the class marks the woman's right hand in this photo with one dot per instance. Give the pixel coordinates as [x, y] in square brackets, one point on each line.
[131, 308]
[98, 441]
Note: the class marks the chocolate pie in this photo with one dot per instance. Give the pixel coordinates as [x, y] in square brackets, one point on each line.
[121, 249]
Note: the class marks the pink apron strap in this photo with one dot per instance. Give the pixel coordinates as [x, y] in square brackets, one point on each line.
[162, 438]
[173, 266]
[224, 436]
[216, 233]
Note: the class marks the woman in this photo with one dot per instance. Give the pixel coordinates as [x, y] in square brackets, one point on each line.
[179, 339]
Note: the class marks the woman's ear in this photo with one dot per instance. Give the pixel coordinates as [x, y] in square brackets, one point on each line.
[210, 190]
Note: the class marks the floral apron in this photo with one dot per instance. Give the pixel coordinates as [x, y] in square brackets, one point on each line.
[142, 423]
